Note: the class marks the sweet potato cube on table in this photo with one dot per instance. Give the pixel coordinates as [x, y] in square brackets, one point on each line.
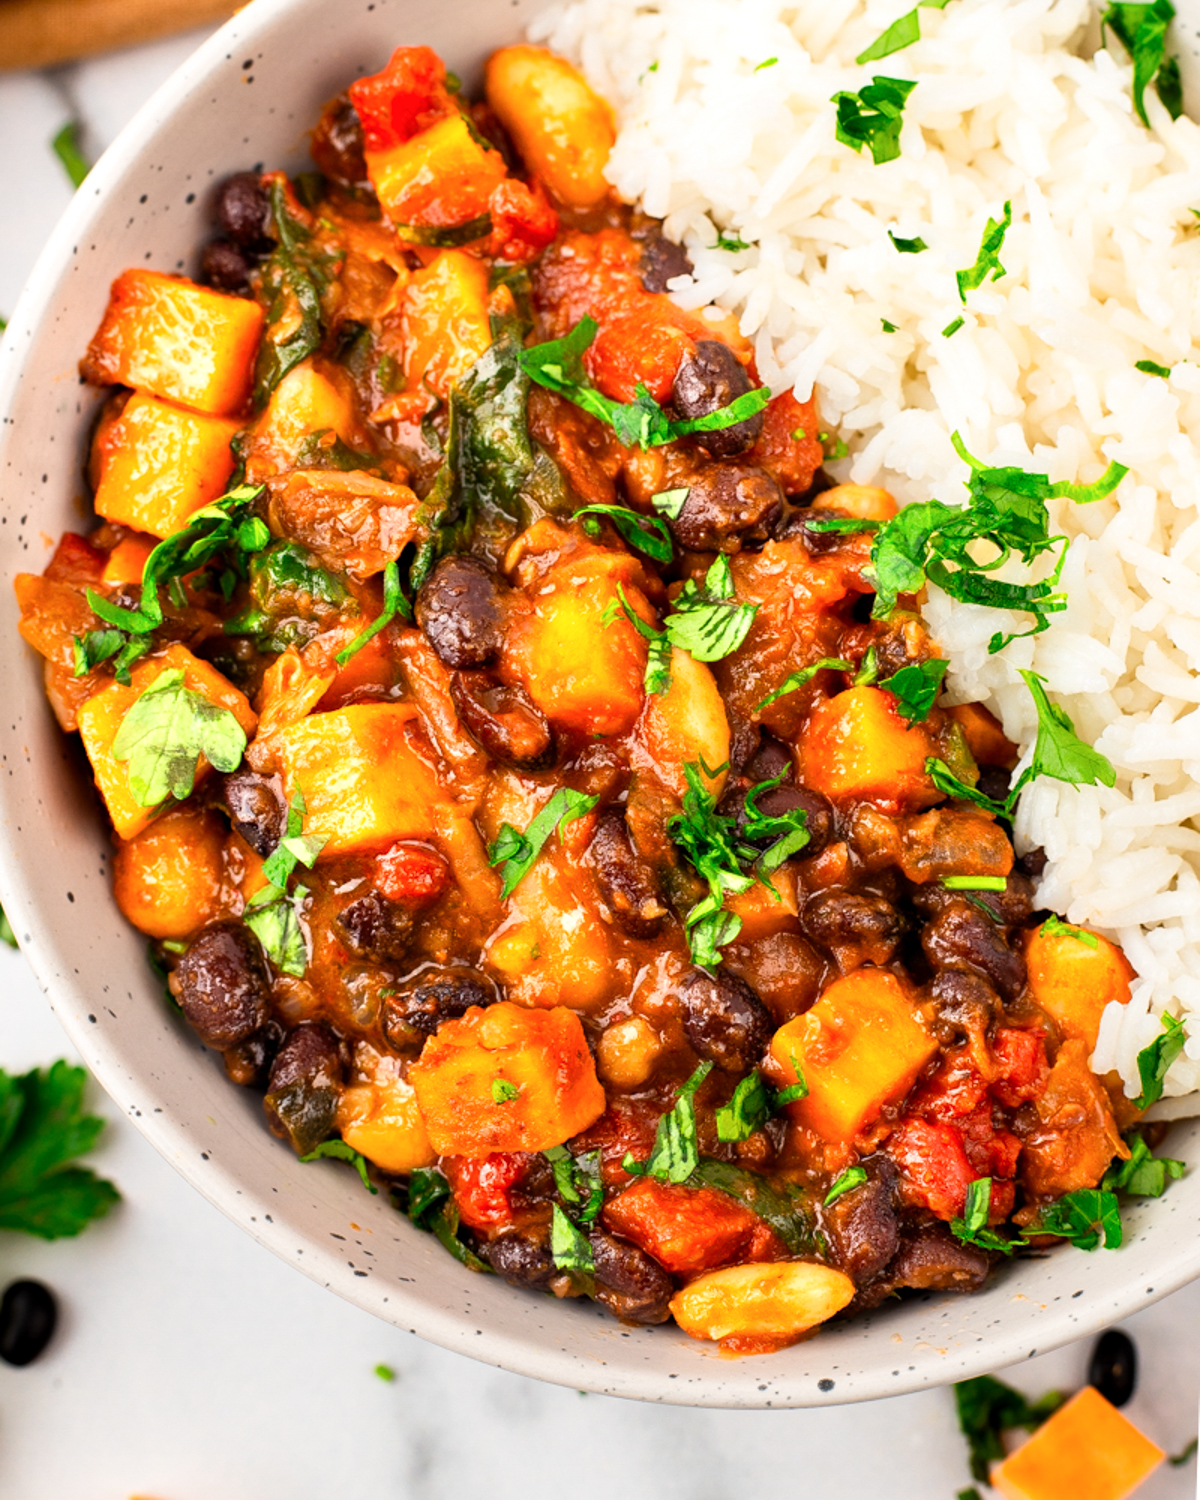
[364, 782]
[177, 340]
[861, 1046]
[100, 718]
[857, 746]
[158, 463]
[542, 1054]
[1086, 1451]
[441, 177]
[1074, 978]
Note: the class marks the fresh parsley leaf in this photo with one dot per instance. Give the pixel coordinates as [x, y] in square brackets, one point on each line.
[1148, 367]
[887, 328]
[7, 935]
[707, 622]
[781, 1205]
[295, 277]
[517, 851]
[970, 1493]
[1058, 751]
[165, 733]
[789, 830]
[274, 918]
[504, 1092]
[872, 117]
[66, 147]
[794, 1091]
[558, 365]
[670, 503]
[916, 687]
[645, 533]
[1142, 31]
[1084, 1218]
[768, 63]
[710, 842]
[294, 848]
[676, 1153]
[731, 242]
[750, 1107]
[100, 645]
[851, 1178]
[384, 1372]
[987, 1408]
[987, 262]
[974, 883]
[905, 247]
[952, 328]
[43, 1127]
[1055, 927]
[432, 1208]
[900, 34]
[394, 603]
[1154, 1062]
[657, 677]
[339, 1151]
[806, 674]
[568, 1245]
[1143, 1175]
[577, 1179]
[839, 525]
[972, 1228]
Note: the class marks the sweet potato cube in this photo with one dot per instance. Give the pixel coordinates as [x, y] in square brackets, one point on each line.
[1074, 978]
[127, 561]
[172, 338]
[1086, 1451]
[364, 781]
[306, 402]
[445, 327]
[467, 1073]
[169, 881]
[984, 735]
[861, 1046]
[685, 1229]
[440, 177]
[686, 723]
[101, 715]
[158, 463]
[382, 1121]
[857, 747]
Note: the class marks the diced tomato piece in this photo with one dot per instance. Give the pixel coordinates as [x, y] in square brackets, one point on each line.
[409, 94]
[934, 1166]
[644, 347]
[993, 1153]
[412, 873]
[685, 1229]
[481, 1186]
[1020, 1056]
[788, 446]
[627, 1127]
[75, 560]
[956, 1089]
[523, 221]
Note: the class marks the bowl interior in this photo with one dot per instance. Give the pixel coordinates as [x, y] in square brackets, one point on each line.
[248, 97]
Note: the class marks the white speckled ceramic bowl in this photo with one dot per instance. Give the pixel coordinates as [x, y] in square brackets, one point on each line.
[248, 96]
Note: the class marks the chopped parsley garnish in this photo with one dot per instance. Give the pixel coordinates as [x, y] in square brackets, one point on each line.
[768, 63]
[972, 1228]
[887, 327]
[384, 1372]
[339, 1151]
[66, 147]
[900, 34]
[100, 645]
[751, 1105]
[394, 603]
[504, 1092]
[1084, 1218]
[974, 883]
[1142, 31]
[1055, 927]
[431, 1206]
[731, 242]
[1148, 367]
[987, 262]
[916, 687]
[905, 247]
[675, 1154]
[987, 1408]
[1144, 1175]
[568, 1245]
[517, 851]
[164, 734]
[657, 677]
[1177, 1460]
[558, 365]
[805, 675]
[850, 1179]
[43, 1128]
[670, 503]
[7, 935]
[708, 622]
[952, 328]
[840, 525]
[294, 848]
[577, 1179]
[273, 916]
[645, 533]
[872, 117]
[1154, 1062]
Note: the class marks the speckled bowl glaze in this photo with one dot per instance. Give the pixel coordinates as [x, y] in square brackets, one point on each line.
[248, 96]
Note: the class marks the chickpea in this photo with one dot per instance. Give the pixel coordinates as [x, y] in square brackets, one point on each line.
[862, 501]
[627, 1053]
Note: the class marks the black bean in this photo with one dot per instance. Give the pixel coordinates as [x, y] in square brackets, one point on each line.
[778, 802]
[503, 721]
[1033, 863]
[28, 1315]
[375, 928]
[628, 884]
[962, 937]
[243, 210]
[425, 1002]
[1113, 1367]
[994, 782]
[862, 1226]
[630, 1283]
[249, 1063]
[459, 610]
[724, 1020]
[523, 1258]
[256, 809]
[221, 985]
[305, 1082]
[337, 145]
[661, 260]
[707, 380]
[966, 1004]
[771, 760]
[727, 505]
[226, 267]
[856, 929]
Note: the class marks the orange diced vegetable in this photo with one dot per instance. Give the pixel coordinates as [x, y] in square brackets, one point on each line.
[644, 347]
[685, 1229]
[860, 1047]
[562, 128]
[686, 723]
[168, 880]
[468, 1070]
[440, 178]
[361, 771]
[862, 501]
[378, 1116]
[101, 716]
[177, 340]
[856, 746]
[158, 463]
[775, 1302]
[127, 561]
[306, 402]
[445, 327]
[1073, 978]
[1086, 1451]
[986, 740]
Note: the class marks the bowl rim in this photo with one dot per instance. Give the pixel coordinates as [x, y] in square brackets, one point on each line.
[451, 1327]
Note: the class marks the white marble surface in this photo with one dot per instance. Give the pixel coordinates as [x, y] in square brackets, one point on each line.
[191, 1365]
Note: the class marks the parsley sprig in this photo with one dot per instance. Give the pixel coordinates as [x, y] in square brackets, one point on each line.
[1142, 31]
[1143, 1175]
[98, 646]
[517, 851]
[872, 117]
[1154, 1062]
[902, 33]
[644, 533]
[987, 262]
[394, 603]
[165, 733]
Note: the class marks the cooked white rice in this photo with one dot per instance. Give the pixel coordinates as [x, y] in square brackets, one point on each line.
[1012, 102]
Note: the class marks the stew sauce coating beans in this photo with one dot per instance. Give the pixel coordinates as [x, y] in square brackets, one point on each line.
[515, 784]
